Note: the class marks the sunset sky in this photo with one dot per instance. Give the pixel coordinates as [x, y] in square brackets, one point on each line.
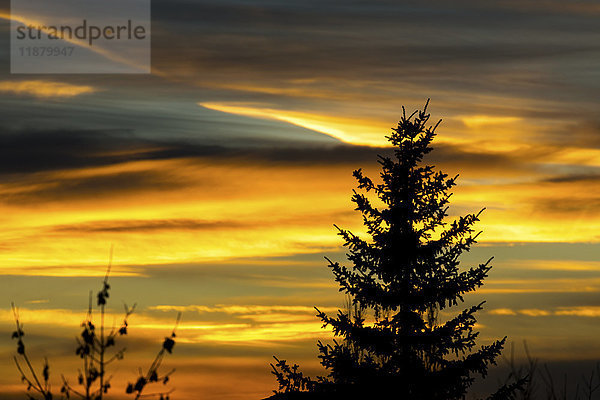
[218, 177]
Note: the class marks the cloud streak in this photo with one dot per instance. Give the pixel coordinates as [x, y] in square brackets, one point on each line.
[44, 89]
[579, 311]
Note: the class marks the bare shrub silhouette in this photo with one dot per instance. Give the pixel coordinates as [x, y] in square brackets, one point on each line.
[30, 378]
[152, 374]
[543, 384]
[94, 345]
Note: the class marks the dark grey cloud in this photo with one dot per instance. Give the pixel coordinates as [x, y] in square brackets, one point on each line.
[567, 206]
[593, 178]
[369, 51]
[35, 151]
[31, 152]
[456, 156]
[524, 49]
[382, 49]
[462, 46]
[27, 152]
[581, 133]
[24, 155]
[87, 188]
[171, 117]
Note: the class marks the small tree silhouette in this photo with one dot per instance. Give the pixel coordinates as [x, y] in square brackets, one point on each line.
[92, 347]
[400, 279]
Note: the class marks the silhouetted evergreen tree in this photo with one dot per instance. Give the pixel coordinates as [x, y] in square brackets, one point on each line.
[399, 281]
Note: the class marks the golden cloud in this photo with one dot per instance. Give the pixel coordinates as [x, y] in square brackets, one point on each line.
[577, 311]
[45, 89]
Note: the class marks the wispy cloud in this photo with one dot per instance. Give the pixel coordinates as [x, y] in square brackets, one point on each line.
[346, 129]
[580, 311]
[577, 311]
[44, 301]
[45, 89]
[543, 285]
[552, 265]
[242, 309]
[249, 325]
[502, 311]
[482, 121]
